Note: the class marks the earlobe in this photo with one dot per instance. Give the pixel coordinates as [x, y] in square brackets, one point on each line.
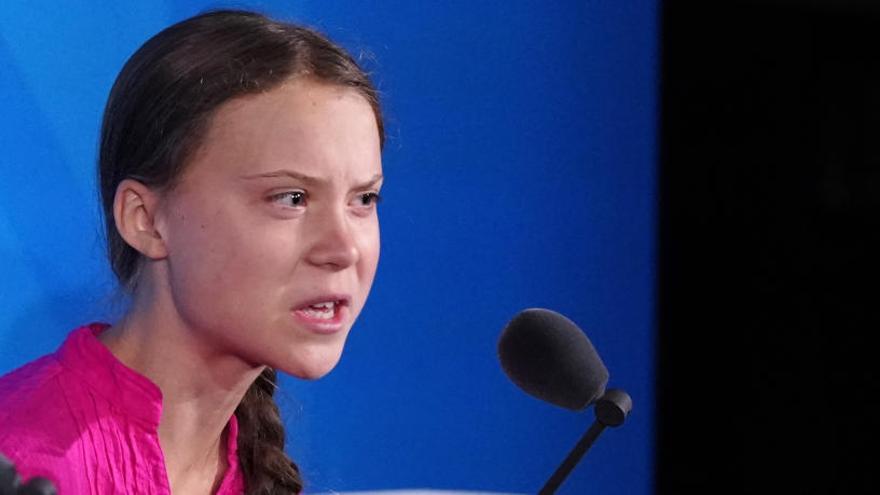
[134, 211]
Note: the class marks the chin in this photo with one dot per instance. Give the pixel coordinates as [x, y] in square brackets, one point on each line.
[313, 368]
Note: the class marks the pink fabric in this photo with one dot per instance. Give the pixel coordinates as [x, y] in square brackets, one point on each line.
[90, 424]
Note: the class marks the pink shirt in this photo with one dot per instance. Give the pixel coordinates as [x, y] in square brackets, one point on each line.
[90, 424]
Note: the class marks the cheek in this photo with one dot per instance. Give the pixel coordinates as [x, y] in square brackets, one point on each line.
[201, 245]
[225, 268]
[218, 242]
[369, 259]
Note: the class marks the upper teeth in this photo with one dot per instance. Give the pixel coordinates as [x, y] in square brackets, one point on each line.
[325, 305]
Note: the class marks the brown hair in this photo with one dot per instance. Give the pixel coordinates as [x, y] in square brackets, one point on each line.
[156, 117]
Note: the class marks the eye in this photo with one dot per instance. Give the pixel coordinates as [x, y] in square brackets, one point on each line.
[290, 199]
[367, 199]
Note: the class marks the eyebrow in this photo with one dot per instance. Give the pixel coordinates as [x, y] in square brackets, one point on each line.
[307, 179]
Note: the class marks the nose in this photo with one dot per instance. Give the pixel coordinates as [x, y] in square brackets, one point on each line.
[334, 246]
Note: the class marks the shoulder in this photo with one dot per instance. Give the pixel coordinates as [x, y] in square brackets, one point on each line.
[37, 428]
[32, 404]
[24, 388]
[42, 397]
[52, 425]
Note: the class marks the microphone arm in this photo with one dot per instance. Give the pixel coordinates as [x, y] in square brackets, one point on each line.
[611, 410]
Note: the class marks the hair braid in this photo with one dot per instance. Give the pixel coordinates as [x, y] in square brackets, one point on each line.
[267, 468]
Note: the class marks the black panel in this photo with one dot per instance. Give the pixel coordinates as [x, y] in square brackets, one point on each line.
[770, 227]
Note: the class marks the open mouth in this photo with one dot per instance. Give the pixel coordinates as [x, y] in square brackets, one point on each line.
[321, 311]
[325, 314]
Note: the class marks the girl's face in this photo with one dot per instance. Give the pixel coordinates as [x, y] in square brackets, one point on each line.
[272, 231]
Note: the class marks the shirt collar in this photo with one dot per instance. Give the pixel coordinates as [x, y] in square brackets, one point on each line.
[134, 394]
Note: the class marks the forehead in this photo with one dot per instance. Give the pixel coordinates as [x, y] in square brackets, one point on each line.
[302, 124]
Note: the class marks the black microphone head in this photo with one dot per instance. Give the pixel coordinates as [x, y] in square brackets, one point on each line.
[548, 356]
[37, 486]
[9, 480]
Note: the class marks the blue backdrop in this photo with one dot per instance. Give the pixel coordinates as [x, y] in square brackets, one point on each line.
[520, 172]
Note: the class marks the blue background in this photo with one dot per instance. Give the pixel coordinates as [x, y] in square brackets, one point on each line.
[520, 172]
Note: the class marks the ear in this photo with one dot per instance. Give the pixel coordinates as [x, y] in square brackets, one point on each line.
[134, 211]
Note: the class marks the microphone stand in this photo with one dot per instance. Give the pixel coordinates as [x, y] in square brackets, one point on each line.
[611, 410]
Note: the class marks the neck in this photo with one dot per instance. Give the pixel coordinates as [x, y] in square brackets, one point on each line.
[201, 387]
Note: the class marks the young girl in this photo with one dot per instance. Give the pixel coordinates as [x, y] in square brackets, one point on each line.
[239, 171]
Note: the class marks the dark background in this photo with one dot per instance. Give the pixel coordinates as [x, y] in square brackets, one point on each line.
[769, 192]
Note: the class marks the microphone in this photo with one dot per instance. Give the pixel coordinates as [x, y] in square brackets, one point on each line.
[550, 358]
[10, 483]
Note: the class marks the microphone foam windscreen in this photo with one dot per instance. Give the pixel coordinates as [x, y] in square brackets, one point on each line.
[548, 356]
